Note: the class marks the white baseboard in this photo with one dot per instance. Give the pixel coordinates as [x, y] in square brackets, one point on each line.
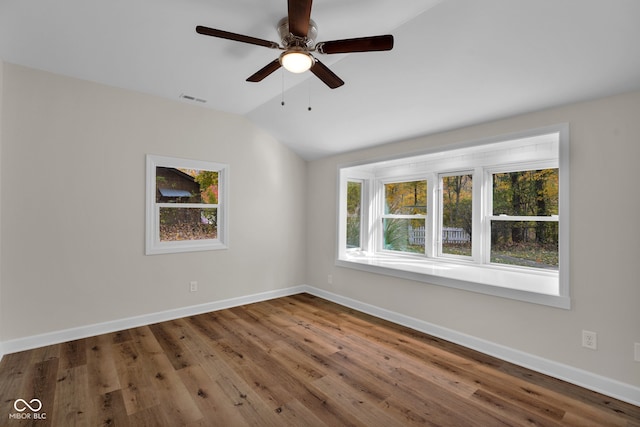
[607, 386]
[57, 337]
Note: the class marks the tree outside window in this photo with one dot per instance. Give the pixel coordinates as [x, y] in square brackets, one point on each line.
[524, 227]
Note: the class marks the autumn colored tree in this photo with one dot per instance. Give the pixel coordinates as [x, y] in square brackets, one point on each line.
[527, 193]
[404, 198]
[208, 181]
[457, 202]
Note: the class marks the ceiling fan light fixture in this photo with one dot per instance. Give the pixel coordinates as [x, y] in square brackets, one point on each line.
[296, 60]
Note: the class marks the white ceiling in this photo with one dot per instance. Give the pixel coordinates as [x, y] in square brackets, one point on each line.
[455, 62]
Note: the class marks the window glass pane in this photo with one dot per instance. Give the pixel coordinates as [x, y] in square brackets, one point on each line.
[188, 224]
[406, 198]
[526, 193]
[354, 202]
[525, 243]
[457, 214]
[405, 235]
[177, 185]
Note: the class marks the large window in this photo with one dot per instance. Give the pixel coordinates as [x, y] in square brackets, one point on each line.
[489, 217]
[186, 204]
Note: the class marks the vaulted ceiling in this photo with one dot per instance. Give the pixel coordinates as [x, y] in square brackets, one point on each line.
[455, 62]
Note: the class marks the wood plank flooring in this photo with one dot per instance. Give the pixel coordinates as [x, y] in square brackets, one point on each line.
[293, 361]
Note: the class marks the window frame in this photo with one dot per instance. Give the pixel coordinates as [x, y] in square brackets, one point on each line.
[475, 273]
[382, 215]
[153, 244]
[440, 220]
[362, 183]
[489, 216]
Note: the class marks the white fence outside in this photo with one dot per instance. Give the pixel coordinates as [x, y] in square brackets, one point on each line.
[449, 235]
[416, 235]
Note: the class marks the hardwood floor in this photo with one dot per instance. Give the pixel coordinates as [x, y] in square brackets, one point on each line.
[294, 361]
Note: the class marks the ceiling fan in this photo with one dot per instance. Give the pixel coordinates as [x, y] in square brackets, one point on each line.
[298, 33]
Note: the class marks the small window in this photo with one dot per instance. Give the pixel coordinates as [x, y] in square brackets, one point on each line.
[405, 211]
[456, 200]
[403, 220]
[354, 214]
[186, 204]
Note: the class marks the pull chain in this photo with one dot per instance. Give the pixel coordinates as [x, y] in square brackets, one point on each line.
[282, 97]
[308, 89]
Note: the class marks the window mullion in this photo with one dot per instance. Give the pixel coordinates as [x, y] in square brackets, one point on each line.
[487, 210]
[378, 209]
[478, 203]
[437, 226]
[429, 225]
[369, 211]
[552, 218]
[187, 205]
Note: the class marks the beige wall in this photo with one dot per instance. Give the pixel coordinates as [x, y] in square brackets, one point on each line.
[1, 121]
[605, 246]
[73, 193]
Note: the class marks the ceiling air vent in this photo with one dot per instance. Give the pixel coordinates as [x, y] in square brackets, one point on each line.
[192, 98]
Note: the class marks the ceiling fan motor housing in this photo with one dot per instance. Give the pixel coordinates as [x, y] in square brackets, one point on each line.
[289, 40]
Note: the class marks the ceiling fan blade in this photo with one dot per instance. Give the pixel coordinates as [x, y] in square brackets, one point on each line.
[265, 71]
[299, 17]
[326, 75]
[235, 37]
[361, 44]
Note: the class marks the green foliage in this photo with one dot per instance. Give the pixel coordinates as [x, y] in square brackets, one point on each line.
[521, 193]
[208, 181]
[396, 234]
[457, 205]
[526, 193]
[206, 178]
[404, 198]
[354, 201]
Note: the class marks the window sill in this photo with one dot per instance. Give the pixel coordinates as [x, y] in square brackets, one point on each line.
[155, 248]
[534, 287]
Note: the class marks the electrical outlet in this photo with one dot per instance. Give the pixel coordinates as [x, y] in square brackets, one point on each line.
[590, 340]
[636, 352]
[330, 279]
[193, 286]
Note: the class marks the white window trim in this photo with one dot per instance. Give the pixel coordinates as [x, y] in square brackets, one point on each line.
[525, 284]
[438, 224]
[380, 186]
[363, 219]
[488, 215]
[153, 245]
